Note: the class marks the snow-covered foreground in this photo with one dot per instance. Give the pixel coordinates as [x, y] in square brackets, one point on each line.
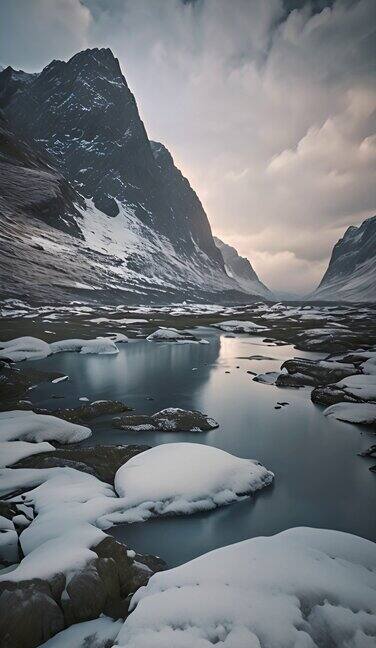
[302, 588]
[183, 478]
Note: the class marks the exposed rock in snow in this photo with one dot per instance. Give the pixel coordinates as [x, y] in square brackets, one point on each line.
[13, 451]
[240, 269]
[303, 587]
[27, 426]
[364, 413]
[183, 478]
[171, 419]
[98, 633]
[8, 542]
[237, 326]
[351, 274]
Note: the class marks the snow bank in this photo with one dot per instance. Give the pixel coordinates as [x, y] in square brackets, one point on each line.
[301, 588]
[24, 348]
[182, 478]
[237, 326]
[100, 345]
[98, 633]
[25, 425]
[364, 413]
[69, 505]
[30, 348]
[13, 451]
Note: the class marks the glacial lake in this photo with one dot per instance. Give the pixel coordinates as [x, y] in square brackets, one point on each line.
[319, 479]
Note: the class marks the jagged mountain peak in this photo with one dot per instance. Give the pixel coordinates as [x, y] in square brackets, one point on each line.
[351, 273]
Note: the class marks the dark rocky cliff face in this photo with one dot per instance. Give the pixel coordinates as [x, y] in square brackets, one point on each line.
[240, 269]
[351, 274]
[133, 221]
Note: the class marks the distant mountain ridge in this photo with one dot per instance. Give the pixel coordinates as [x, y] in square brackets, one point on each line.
[143, 228]
[240, 269]
[351, 274]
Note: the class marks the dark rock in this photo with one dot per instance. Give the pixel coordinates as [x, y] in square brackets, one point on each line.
[15, 382]
[370, 452]
[331, 394]
[29, 614]
[33, 611]
[167, 420]
[294, 380]
[321, 375]
[101, 461]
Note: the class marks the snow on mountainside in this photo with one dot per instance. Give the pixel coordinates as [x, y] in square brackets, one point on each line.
[240, 269]
[351, 274]
[134, 224]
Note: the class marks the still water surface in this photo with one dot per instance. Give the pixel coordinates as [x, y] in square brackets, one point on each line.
[319, 479]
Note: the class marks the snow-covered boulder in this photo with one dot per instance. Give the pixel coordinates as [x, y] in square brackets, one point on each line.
[25, 425]
[363, 413]
[183, 478]
[31, 348]
[170, 335]
[362, 386]
[13, 451]
[171, 419]
[302, 588]
[237, 326]
[24, 348]
[99, 345]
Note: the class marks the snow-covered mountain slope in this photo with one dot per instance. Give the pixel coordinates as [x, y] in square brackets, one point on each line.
[133, 224]
[240, 269]
[351, 274]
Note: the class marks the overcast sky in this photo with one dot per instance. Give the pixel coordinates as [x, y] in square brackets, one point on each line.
[268, 107]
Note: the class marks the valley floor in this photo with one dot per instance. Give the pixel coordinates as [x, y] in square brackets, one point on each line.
[129, 433]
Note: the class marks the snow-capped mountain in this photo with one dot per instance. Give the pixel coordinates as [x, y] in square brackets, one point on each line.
[133, 224]
[240, 269]
[351, 274]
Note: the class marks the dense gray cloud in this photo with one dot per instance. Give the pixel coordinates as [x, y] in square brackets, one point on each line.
[269, 111]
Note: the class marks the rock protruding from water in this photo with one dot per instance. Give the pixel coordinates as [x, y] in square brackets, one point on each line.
[172, 419]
